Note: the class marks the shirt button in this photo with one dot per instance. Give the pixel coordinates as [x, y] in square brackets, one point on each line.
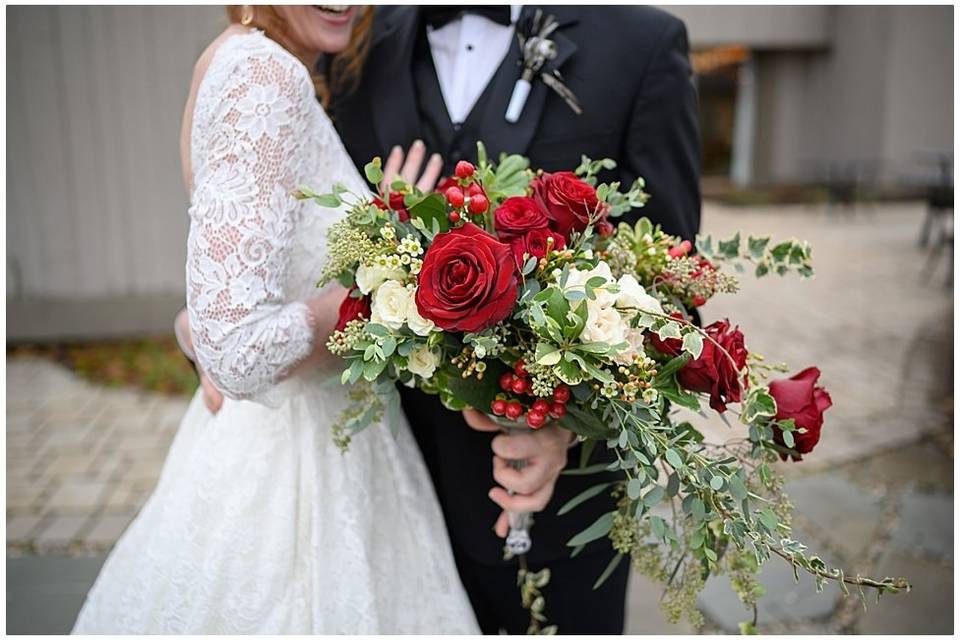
[469, 47]
[457, 126]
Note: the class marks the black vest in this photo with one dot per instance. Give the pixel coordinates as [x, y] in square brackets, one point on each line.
[453, 141]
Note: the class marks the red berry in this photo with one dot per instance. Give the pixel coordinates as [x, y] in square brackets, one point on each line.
[520, 368]
[520, 385]
[558, 409]
[454, 196]
[403, 215]
[463, 169]
[475, 190]
[685, 246]
[605, 229]
[540, 405]
[478, 204]
[396, 200]
[499, 407]
[535, 419]
[514, 410]
[506, 381]
[454, 217]
[380, 204]
[561, 393]
[699, 301]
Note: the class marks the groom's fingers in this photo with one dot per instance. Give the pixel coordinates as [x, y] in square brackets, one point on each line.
[478, 421]
[431, 173]
[502, 526]
[411, 167]
[391, 168]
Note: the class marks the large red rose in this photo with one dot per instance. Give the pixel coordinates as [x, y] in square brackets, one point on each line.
[518, 215]
[569, 201]
[536, 243]
[352, 308]
[468, 281]
[713, 372]
[802, 400]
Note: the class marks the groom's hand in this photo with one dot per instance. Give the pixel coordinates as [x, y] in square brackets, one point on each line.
[545, 454]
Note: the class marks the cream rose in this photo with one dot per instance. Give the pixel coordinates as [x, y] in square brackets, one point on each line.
[635, 340]
[422, 361]
[633, 296]
[604, 324]
[370, 277]
[417, 323]
[391, 304]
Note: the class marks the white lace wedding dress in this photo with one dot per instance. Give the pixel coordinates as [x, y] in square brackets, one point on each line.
[258, 523]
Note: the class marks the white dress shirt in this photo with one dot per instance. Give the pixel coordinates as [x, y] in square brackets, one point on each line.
[466, 54]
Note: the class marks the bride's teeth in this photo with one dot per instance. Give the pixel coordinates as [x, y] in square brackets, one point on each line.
[337, 9]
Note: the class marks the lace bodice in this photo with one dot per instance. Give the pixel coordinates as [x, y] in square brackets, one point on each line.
[254, 251]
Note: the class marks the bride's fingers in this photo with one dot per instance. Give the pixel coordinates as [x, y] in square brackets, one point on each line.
[533, 503]
[527, 480]
[392, 167]
[411, 166]
[431, 173]
[502, 526]
[478, 421]
[212, 397]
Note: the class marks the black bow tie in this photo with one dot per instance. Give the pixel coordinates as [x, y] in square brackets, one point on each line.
[439, 15]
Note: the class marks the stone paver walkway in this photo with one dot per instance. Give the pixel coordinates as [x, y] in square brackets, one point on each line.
[876, 495]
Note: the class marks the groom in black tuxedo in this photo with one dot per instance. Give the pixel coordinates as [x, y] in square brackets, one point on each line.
[444, 75]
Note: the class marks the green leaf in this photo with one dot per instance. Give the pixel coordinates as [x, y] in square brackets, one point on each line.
[584, 423]
[329, 200]
[673, 366]
[673, 458]
[478, 394]
[432, 210]
[614, 563]
[756, 246]
[669, 330]
[586, 471]
[547, 354]
[768, 518]
[654, 496]
[693, 344]
[716, 483]
[759, 404]
[729, 248]
[373, 172]
[736, 487]
[529, 266]
[788, 438]
[582, 497]
[634, 487]
[597, 530]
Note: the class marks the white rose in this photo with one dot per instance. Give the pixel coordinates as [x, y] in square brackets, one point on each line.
[417, 323]
[391, 304]
[604, 324]
[422, 361]
[633, 296]
[577, 281]
[370, 277]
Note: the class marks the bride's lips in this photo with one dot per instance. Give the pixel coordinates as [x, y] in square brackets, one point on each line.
[336, 15]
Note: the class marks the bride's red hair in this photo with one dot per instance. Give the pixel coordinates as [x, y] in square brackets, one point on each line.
[344, 70]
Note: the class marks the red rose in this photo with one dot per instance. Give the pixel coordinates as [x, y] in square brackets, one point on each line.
[536, 244]
[352, 308]
[712, 372]
[802, 400]
[569, 201]
[468, 281]
[518, 215]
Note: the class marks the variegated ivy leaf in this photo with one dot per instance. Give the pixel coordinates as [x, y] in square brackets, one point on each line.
[547, 355]
[669, 330]
[759, 404]
[693, 344]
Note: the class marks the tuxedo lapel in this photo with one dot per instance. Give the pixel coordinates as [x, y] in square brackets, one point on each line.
[498, 134]
[390, 79]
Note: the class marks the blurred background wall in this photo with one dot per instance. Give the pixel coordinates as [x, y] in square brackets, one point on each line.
[96, 209]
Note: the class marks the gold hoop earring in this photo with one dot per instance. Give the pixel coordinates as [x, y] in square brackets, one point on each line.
[246, 15]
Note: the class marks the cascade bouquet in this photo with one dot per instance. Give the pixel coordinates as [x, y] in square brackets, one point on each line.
[511, 291]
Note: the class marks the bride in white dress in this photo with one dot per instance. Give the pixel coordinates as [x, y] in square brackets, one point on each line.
[258, 523]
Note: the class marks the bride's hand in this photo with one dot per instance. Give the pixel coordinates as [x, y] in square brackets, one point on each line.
[408, 167]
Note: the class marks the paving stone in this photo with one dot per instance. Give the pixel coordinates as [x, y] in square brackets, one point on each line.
[77, 496]
[927, 609]
[23, 497]
[107, 529]
[835, 508]
[20, 528]
[925, 525]
[785, 601]
[643, 611]
[69, 464]
[61, 531]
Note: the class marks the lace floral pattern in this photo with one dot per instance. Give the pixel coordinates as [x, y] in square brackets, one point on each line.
[258, 523]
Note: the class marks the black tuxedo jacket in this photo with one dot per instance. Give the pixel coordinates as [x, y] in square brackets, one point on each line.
[629, 68]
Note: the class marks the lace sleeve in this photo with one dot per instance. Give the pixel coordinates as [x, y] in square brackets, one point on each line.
[247, 335]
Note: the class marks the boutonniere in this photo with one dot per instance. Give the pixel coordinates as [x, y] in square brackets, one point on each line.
[537, 49]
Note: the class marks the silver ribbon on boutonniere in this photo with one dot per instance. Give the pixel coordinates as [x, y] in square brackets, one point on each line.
[536, 49]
